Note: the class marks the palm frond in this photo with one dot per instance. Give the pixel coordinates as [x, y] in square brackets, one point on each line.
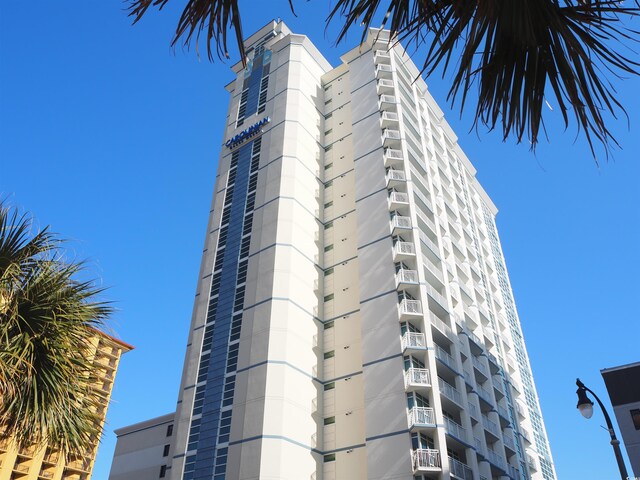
[47, 377]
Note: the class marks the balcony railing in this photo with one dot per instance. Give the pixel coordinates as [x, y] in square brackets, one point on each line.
[385, 85]
[391, 137]
[437, 296]
[413, 340]
[417, 377]
[384, 71]
[425, 459]
[478, 444]
[508, 441]
[404, 249]
[407, 276]
[490, 425]
[388, 99]
[495, 458]
[388, 117]
[502, 412]
[400, 222]
[445, 357]
[460, 470]
[450, 392]
[455, 429]
[381, 56]
[395, 176]
[398, 197]
[440, 325]
[531, 461]
[513, 472]
[410, 307]
[473, 411]
[479, 366]
[422, 416]
[485, 394]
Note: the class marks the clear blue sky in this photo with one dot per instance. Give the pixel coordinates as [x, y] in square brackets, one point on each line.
[112, 139]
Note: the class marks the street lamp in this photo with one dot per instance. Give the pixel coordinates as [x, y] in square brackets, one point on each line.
[585, 406]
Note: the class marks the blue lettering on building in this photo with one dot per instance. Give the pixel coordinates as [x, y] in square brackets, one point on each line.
[247, 133]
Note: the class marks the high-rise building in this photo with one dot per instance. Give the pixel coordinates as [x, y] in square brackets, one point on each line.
[353, 315]
[42, 462]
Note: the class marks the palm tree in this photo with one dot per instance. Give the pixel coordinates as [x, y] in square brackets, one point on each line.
[515, 51]
[47, 318]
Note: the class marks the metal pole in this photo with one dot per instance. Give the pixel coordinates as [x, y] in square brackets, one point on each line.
[615, 443]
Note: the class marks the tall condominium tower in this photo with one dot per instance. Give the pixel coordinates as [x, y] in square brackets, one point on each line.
[353, 316]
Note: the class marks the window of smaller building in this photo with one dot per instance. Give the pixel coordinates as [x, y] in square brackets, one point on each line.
[328, 271]
[169, 430]
[635, 417]
[165, 452]
[328, 297]
[328, 325]
[328, 204]
[329, 420]
[163, 471]
[329, 386]
[328, 247]
[329, 354]
[330, 458]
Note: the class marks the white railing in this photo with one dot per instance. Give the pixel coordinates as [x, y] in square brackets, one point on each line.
[427, 241]
[454, 429]
[396, 175]
[532, 462]
[485, 394]
[473, 411]
[460, 470]
[387, 99]
[450, 392]
[422, 416]
[495, 458]
[383, 68]
[393, 153]
[513, 472]
[413, 340]
[478, 444]
[490, 425]
[406, 276]
[381, 54]
[417, 377]
[404, 248]
[509, 442]
[399, 197]
[410, 307]
[437, 296]
[392, 116]
[503, 411]
[383, 82]
[391, 134]
[435, 270]
[399, 221]
[425, 458]
[445, 357]
[478, 364]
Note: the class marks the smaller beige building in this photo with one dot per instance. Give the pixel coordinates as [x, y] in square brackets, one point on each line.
[40, 462]
[143, 450]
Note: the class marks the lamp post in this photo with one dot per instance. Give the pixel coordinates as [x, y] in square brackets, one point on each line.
[585, 406]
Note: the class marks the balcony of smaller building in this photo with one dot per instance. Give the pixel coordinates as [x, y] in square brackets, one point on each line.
[393, 157]
[384, 71]
[460, 470]
[413, 341]
[395, 177]
[398, 201]
[389, 119]
[391, 138]
[384, 86]
[426, 460]
[421, 417]
[400, 223]
[415, 378]
[388, 103]
[382, 57]
[409, 308]
[403, 250]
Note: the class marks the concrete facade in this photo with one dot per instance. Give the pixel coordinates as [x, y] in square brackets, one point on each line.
[354, 317]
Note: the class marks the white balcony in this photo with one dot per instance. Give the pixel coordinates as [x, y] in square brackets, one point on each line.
[454, 429]
[425, 459]
[404, 276]
[478, 444]
[389, 119]
[384, 71]
[479, 366]
[502, 412]
[450, 392]
[441, 326]
[387, 102]
[403, 250]
[531, 461]
[460, 470]
[417, 377]
[384, 86]
[398, 200]
[513, 471]
[399, 224]
[390, 138]
[473, 411]
[410, 308]
[392, 157]
[382, 56]
[485, 394]
[437, 296]
[395, 177]
[509, 442]
[413, 341]
[422, 416]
